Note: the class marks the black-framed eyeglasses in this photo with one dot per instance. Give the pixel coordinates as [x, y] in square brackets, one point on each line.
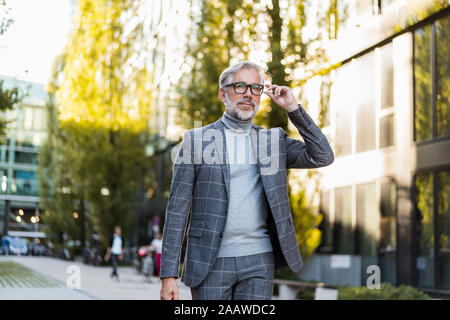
[242, 87]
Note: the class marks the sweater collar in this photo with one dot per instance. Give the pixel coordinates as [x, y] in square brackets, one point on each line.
[232, 123]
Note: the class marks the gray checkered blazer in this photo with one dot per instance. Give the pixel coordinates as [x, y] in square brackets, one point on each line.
[199, 194]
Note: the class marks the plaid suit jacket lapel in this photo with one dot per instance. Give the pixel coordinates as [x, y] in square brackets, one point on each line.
[222, 154]
[261, 141]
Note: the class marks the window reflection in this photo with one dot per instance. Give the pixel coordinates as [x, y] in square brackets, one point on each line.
[422, 76]
[388, 237]
[424, 230]
[343, 111]
[443, 76]
[25, 157]
[343, 221]
[387, 132]
[368, 221]
[444, 228]
[387, 76]
[365, 102]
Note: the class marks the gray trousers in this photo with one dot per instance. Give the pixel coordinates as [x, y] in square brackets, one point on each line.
[238, 278]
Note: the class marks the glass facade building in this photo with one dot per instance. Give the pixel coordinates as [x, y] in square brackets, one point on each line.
[26, 131]
[385, 199]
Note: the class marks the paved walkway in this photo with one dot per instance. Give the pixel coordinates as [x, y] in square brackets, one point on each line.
[95, 282]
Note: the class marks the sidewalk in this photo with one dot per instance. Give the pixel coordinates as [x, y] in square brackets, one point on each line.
[95, 282]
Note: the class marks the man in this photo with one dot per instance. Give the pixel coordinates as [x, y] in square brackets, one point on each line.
[235, 193]
[114, 251]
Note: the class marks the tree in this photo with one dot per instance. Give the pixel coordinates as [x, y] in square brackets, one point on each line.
[94, 160]
[8, 96]
[5, 20]
[291, 51]
[219, 31]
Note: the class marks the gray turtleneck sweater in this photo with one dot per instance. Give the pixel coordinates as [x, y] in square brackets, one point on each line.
[246, 229]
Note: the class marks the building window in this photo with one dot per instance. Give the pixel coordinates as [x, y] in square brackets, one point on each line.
[344, 111]
[367, 222]
[365, 102]
[422, 88]
[444, 228]
[34, 118]
[344, 235]
[387, 76]
[388, 235]
[370, 123]
[433, 229]
[386, 111]
[28, 118]
[443, 76]
[25, 183]
[424, 230]
[387, 133]
[25, 157]
[432, 80]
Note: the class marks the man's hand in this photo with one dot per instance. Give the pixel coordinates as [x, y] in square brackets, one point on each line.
[282, 96]
[169, 289]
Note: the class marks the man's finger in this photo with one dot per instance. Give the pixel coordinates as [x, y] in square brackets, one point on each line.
[277, 91]
[175, 295]
[270, 94]
[165, 296]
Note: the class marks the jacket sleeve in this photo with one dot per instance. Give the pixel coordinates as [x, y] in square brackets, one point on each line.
[178, 208]
[315, 152]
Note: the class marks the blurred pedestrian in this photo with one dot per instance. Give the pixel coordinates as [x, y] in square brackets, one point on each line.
[115, 251]
[157, 246]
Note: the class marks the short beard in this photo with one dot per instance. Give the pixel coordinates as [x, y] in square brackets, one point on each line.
[238, 113]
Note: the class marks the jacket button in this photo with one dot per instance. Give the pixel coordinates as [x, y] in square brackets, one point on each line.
[221, 234]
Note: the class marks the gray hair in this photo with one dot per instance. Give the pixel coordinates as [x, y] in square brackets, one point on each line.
[227, 75]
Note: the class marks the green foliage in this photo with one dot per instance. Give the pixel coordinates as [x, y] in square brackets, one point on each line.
[306, 224]
[285, 273]
[276, 116]
[94, 162]
[8, 98]
[5, 19]
[387, 292]
[221, 33]
[306, 293]
[289, 51]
